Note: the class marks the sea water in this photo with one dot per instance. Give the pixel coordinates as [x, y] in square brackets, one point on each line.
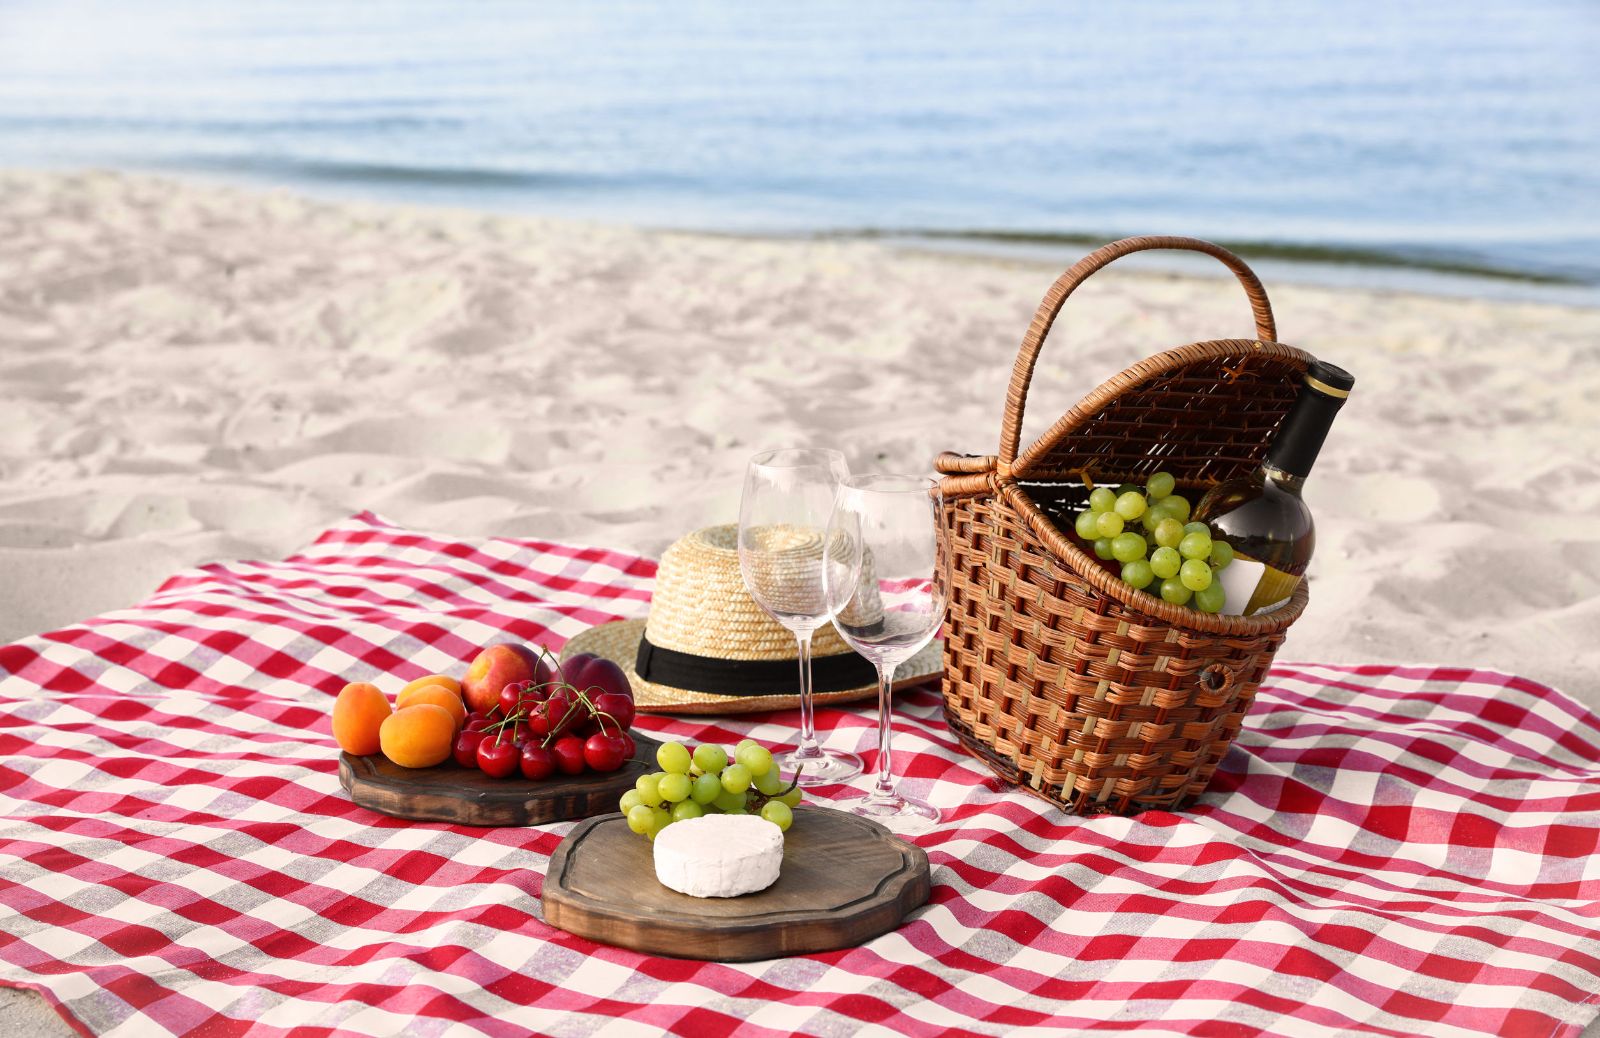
[1432, 134]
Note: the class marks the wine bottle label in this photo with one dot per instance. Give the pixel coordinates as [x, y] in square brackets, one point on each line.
[1239, 582]
[1252, 587]
[1273, 590]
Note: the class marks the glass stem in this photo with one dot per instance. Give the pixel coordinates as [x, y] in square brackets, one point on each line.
[885, 767]
[808, 727]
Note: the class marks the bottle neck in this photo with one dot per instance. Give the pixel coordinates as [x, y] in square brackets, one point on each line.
[1294, 449]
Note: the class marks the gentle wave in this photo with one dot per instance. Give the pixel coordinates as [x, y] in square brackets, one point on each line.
[333, 171]
[1441, 261]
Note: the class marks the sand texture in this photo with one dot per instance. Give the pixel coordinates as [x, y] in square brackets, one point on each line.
[193, 372]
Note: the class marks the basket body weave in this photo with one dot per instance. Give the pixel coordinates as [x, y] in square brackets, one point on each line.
[1065, 681]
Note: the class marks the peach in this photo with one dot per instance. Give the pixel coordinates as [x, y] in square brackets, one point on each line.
[494, 669]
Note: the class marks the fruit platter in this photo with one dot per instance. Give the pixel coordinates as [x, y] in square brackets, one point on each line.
[744, 870]
[519, 739]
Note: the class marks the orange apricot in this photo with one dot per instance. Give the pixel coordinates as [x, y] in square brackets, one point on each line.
[358, 713]
[418, 736]
[438, 695]
[431, 679]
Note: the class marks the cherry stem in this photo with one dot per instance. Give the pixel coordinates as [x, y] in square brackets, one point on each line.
[509, 719]
[546, 654]
[580, 694]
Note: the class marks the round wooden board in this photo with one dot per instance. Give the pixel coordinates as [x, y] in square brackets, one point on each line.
[466, 796]
[845, 880]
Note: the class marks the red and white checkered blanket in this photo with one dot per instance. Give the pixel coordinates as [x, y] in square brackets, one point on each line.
[1387, 850]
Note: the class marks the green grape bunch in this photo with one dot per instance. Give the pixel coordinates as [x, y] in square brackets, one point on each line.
[1175, 558]
[706, 781]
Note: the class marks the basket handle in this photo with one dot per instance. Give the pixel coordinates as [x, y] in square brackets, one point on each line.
[1050, 306]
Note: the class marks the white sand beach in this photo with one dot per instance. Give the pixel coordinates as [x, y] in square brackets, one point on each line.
[194, 372]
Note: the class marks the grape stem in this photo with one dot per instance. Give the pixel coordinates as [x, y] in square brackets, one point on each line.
[761, 799]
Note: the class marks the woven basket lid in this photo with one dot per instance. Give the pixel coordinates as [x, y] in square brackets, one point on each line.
[1205, 412]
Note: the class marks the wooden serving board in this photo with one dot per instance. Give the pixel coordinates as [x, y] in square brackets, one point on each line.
[466, 796]
[845, 880]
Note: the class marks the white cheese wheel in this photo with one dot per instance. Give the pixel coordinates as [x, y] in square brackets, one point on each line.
[719, 855]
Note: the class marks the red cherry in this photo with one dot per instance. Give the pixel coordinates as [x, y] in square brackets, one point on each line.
[497, 757]
[466, 747]
[619, 707]
[539, 719]
[537, 762]
[580, 713]
[630, 747]
[477, 724]
[558, 708]
[604, 752]
[568, 751]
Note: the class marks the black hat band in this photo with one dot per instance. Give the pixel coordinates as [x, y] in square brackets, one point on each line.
[684, 670]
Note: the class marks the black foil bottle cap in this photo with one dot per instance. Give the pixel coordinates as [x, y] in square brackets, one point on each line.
[1322, 376]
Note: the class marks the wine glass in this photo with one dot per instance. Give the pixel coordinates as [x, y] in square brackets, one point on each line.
[788, 496]
[879, 557]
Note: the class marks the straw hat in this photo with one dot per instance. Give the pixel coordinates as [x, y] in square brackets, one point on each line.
[708, 648]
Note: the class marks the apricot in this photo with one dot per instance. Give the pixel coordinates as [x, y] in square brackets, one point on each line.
[431, 679]
[438, 695]
[357, 715]
[418, 736]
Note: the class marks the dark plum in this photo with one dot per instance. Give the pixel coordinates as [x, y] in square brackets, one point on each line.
[600, 675]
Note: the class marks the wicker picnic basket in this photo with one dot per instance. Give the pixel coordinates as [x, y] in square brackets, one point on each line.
[1064, 680]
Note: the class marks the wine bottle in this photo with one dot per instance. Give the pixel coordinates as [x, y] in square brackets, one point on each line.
[1262, 515]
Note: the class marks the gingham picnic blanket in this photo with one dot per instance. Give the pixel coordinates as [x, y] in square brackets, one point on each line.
[1386, 850]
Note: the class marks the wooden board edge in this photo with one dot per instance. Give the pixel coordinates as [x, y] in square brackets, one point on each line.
[437, 807]
[911, 885]
[905, 887]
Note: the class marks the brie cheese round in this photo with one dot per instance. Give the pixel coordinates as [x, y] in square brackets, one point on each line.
[719, 855]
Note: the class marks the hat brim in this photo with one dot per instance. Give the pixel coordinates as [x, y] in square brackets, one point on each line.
[618, 642]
